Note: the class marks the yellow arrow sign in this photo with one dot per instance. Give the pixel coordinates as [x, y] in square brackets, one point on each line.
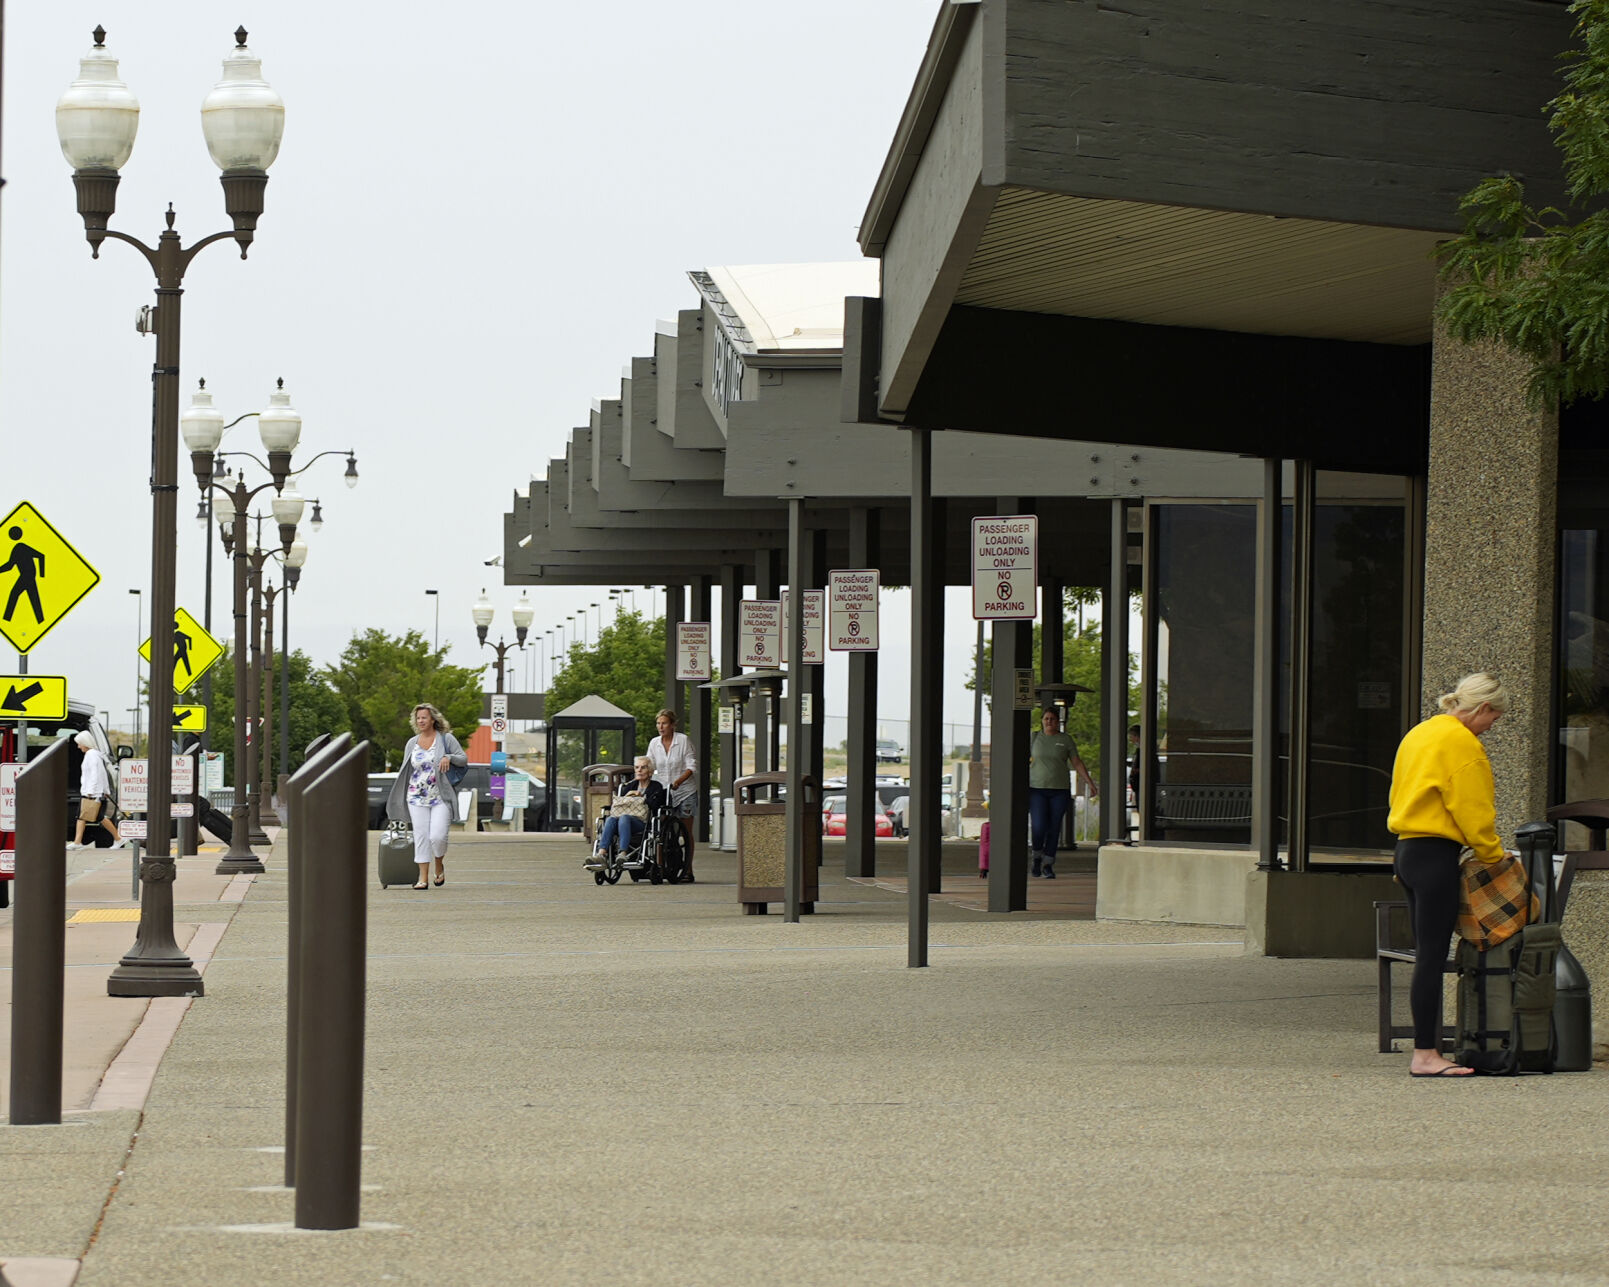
[189, 719]
[194, 650]
[33, 696]
[42, 577]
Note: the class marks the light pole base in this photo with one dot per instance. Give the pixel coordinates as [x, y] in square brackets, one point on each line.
[155, 979]
[251, 865]
[259, 837]
[268, 816]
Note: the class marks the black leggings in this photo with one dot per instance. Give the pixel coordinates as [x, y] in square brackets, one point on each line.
[1427, 866]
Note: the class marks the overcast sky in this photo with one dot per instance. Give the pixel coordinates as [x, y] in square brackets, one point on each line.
[473, 224]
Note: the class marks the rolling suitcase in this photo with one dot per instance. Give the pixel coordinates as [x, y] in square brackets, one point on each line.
[1506, 993]
[396, 856]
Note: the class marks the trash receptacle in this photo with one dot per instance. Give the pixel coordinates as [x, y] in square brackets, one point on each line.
[762, 842]
[599, 782]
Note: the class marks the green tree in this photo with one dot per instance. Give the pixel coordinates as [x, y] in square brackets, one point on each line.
[314, 709]
[1081, 664]
[380, 678]
[1530, 277]
[626, 666]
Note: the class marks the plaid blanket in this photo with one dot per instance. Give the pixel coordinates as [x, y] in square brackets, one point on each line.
[1495, 901]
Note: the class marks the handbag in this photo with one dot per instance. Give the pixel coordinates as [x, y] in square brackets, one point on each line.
[1495, 901]
[630, 806]
[456, 773]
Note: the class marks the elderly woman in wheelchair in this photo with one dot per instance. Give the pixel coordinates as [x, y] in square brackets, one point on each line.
[623, 830]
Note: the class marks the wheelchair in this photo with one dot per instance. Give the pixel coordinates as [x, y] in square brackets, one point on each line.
[659, 856]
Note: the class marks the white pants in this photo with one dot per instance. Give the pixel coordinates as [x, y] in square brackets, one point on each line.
[429, 830]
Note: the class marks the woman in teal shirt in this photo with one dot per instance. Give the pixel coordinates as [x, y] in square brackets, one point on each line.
[1052, 760]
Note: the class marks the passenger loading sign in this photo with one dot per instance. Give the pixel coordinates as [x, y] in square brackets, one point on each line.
[1005, 567]
[693, 659]
[815, 604]
[852, 596]
[759, 632]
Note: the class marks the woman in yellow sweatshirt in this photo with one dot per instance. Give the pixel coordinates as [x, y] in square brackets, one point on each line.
[1442, 800]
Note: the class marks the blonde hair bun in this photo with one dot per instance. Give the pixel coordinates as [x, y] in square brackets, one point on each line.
[1474, 691]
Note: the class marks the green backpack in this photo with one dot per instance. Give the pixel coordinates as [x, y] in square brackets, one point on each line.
[1505, 1002]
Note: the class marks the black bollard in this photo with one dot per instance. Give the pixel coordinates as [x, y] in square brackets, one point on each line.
[329, 1083]
[296, 835]
[39, 940]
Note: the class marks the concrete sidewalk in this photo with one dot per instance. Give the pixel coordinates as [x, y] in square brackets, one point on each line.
[636, 1084]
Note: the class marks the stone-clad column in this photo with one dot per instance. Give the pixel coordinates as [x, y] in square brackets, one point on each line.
[1490, 519]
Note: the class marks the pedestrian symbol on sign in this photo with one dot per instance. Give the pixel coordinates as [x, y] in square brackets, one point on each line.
[23, 561]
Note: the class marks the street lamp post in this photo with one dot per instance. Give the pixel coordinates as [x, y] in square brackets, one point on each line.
[293, 562]
[437, 597]
[280, 428]
[265, 706]
[242, 120]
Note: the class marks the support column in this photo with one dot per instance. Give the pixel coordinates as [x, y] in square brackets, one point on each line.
[1052, 624]
[1490, 537]
[698, 721]
[1265, 793]
[815, 675]
[767, 585]
[927, 677]
[1301, 734]
[1115, 681]
[860, 836]
[731, 594]
[793, 845]
[1008, 768]
[675, 693]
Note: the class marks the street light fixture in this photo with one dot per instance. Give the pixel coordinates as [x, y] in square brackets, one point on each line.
[280, 426]
[483, 612]
[242, 121]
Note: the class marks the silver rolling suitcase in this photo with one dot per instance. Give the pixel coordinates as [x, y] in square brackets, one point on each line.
[396, 856]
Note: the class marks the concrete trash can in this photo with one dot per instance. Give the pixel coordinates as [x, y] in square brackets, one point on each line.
[762, 842]
[599, 782]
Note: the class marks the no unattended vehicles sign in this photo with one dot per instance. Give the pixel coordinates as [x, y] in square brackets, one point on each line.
[1005, 567]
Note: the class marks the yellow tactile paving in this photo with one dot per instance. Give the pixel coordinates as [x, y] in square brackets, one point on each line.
[85, 915]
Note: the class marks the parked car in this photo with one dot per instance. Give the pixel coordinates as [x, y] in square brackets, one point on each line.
[487, 809]
[890, 751]
[835, 817]
[379, 790]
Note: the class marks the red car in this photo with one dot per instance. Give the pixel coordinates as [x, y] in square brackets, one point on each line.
[834, 817]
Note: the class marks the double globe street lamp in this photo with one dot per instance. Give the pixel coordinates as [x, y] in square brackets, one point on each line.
[280, 428]
[242, 120]
[483, 612]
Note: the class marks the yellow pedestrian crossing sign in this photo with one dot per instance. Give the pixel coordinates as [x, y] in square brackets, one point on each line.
[42, 577]
[189, 719]
[33, 696]
[194, 651]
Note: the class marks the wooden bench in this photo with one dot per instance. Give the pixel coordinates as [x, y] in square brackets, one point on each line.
[1395, 947]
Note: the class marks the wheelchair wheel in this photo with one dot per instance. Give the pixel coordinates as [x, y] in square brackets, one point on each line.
[611, 863]
[597, 877]
[635, 876]
[674, 852]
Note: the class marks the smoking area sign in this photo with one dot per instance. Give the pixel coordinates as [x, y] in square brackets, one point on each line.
[852, 597]
[1005, 567]
[693, 659]
[759, 627]
[815, 607]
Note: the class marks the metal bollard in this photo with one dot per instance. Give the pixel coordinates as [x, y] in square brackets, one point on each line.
[329, 1089]
[39, 940]
[295, 849]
